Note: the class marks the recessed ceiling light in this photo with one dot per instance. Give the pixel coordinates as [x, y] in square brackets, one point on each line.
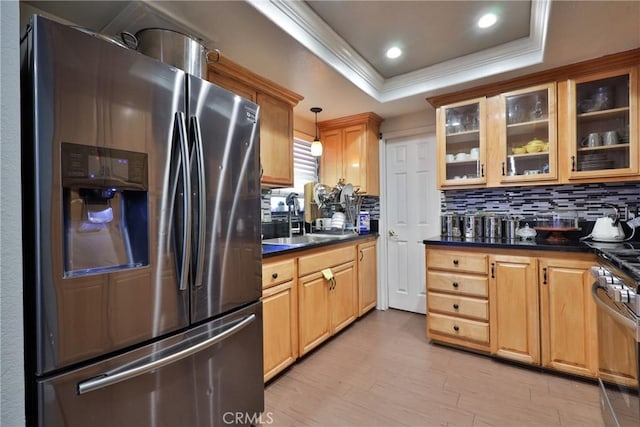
[487, 20]
[394, 52]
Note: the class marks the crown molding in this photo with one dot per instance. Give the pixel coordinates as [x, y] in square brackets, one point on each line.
[298, 20]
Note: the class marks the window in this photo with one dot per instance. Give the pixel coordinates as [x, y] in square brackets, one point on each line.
[304, 170]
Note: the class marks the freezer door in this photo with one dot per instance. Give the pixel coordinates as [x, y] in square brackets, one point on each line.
[210, 376]
[227, 255]
[97, 102]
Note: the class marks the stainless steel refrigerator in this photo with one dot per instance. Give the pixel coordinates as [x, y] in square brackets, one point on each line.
[141, 189]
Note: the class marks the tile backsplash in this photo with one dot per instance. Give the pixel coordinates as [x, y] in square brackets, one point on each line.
[585, 199]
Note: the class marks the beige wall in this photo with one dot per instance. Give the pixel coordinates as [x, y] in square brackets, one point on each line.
[418, 120]
[11, 328]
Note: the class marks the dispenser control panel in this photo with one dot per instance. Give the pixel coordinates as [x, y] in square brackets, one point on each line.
[91, 166]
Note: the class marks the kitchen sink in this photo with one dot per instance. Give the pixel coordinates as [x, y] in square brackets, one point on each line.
[297, 241]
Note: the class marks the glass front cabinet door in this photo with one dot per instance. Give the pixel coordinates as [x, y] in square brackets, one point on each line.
[461, 143]
[603, 128]
[528, 134]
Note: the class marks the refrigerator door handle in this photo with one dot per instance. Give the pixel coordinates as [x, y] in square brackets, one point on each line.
[186, 201]
[108, 379]
[202, 196]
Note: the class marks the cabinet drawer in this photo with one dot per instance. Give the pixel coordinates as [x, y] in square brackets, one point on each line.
[458, 305]
[274, 273]
[461, 328]
[319, 261]
[467, 284]
[457, 261]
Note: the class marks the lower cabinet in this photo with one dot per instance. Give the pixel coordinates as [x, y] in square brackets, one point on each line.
[367, 277]
[542, 312]
[457, 305]
[328, 295]
[540, 307]
[302, 307]
[568, 317]
[279, 316]
[513, 298]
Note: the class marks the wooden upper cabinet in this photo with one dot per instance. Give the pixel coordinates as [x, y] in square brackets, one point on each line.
[601, 128]
[233, 85]
[350, 152]
[461, 144]
[588, 113]
[276, 117]
[276, 141]
[525, 123]
[331, 160]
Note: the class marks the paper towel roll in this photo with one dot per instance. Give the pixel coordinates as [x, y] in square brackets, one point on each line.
[311, 210]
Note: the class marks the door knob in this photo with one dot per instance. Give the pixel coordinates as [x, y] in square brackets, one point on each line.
[393, 233]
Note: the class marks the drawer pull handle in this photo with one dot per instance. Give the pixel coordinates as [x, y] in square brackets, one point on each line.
[455, 262]
[455, 284]
[456, 328]
[274, 275]
[456, 306]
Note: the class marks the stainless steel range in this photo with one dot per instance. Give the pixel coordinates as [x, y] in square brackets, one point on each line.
[617, 295]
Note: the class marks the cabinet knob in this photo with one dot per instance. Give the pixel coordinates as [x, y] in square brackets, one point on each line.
[456, 328]
[455, 262]
[456, 306]
[455, 284]
[274, 275]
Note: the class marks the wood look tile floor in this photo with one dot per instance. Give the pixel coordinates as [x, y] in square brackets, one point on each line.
[382, 371]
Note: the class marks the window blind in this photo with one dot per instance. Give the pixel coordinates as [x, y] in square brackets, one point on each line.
[304, 168]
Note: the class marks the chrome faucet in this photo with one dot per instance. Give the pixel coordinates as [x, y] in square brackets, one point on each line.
[294, 209]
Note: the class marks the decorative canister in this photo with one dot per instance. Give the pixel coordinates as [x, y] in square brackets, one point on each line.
[473, 226]
[493, 227]
[510, 227]
[450, 225]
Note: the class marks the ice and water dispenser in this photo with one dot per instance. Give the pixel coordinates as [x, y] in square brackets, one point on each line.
[105, 208]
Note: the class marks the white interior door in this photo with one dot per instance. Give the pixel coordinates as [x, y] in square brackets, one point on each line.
[412, 214]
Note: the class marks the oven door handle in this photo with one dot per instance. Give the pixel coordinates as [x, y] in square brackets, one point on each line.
[620, 318]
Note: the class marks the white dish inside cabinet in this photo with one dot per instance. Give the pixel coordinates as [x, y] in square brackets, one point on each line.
[603, 127]
[461, 143]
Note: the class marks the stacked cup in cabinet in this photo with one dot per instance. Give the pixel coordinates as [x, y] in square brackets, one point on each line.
[457, 298]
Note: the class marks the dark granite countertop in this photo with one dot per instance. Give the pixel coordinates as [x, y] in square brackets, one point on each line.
[269, 251]
[538, 245]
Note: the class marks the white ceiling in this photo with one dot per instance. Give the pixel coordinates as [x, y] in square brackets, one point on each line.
[421, 28]
[330, 52]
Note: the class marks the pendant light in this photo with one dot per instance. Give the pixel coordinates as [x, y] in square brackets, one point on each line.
[316, 145]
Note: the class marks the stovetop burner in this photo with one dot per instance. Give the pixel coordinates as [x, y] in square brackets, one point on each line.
[622, 256]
